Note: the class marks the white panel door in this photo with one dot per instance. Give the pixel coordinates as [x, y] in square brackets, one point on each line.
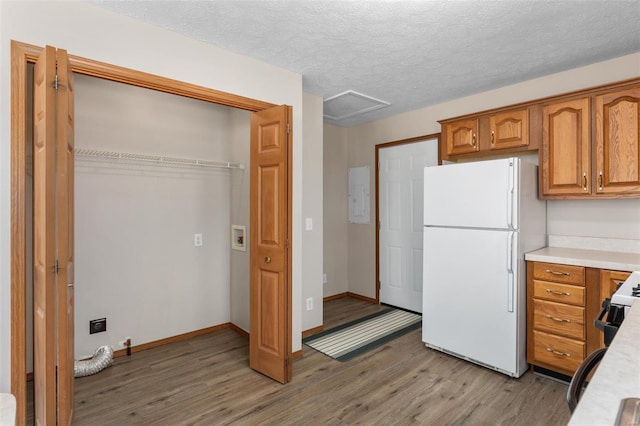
[400, 185]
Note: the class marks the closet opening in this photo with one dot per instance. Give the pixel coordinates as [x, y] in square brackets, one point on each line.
[180, 194]
[153, 172]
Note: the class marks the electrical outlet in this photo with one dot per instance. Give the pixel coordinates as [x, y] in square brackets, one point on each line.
[309, 303]
[97, 325]
[197, 240]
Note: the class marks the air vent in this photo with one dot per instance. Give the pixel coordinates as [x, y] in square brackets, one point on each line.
[350, 103]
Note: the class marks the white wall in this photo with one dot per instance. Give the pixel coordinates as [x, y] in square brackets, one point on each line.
[88, 31]
[336, 253]
[240, 179]
[136, 263]
[312, 240]
[615, 218]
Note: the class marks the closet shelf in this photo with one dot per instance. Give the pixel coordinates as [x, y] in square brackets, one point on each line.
[161, 160]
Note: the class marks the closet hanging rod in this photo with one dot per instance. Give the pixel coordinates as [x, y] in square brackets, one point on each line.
[154, 159]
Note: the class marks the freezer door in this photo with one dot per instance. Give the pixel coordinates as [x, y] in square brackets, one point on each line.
[480, 194]
[471, 297]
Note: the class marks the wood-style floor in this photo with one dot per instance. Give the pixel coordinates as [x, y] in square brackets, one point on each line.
[207, 381]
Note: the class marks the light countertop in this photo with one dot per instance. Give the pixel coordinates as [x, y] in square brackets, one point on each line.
[613, 260]
[617, 377]
[7, 409]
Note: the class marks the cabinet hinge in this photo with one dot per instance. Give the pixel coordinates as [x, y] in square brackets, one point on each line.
[55, 83]
[288, 128]
[286, 243]
[286, 361]
[56, 268]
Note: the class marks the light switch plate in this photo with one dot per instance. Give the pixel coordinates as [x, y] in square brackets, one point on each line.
[309, 224]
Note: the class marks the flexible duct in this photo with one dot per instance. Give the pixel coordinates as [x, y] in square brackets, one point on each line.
[100, 360]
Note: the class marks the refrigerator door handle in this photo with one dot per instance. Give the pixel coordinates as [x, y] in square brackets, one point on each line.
[510, 269]
[510, 195]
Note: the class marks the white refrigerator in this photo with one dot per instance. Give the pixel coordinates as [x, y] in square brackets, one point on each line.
[479, 220]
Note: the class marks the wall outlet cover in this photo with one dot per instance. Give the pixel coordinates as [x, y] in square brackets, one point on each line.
[97, 325]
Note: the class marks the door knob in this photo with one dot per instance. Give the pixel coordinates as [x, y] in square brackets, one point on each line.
[267, 259]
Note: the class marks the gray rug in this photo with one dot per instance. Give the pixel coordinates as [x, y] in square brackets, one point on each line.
[357, 337]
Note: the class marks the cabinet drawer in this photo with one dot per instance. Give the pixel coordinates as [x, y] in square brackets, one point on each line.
[561, 352]
[555, 292]
[558, 318]
[556, 272]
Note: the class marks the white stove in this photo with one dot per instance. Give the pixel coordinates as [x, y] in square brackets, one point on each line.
[616, 308]
[628, 292]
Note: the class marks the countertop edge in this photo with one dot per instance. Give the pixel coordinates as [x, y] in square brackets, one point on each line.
[588, 258]
[617, 376]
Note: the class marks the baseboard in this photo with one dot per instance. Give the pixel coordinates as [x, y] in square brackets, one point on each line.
[172, 339]
[238, 330]
[335, 297]
[312, 331]
[361, 297]
[349, 294]
[297, 355]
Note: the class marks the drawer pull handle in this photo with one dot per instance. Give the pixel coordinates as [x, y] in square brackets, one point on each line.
[565, 274]
[553, 351]
[558, 293]
[557, 319]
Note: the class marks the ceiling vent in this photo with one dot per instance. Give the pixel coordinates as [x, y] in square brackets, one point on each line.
[350, 103]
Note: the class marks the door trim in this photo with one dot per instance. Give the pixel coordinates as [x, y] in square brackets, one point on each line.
[21, 55]
[377, 167]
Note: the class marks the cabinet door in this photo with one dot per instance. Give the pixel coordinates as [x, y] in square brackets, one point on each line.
[609, 282]
[509, 129]
[462, 137]
[565, 155]
[618, 142]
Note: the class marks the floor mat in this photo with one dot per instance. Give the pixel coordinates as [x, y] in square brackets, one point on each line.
[356, 337]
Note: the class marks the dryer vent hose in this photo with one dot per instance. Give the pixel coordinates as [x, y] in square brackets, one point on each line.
[101, 359]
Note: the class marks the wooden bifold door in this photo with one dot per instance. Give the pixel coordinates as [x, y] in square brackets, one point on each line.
[53, 238]
[270, 294]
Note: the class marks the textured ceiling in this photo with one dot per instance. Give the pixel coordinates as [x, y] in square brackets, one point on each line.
[410, 54]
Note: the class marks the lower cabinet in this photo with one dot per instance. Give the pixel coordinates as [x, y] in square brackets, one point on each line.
[562, 303]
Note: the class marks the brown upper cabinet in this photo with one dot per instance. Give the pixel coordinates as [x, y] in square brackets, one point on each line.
[566, 148]
[509, 129]
[578, 164]
[617, 142]
[588, 140]
[486, 134]
[462, 136]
